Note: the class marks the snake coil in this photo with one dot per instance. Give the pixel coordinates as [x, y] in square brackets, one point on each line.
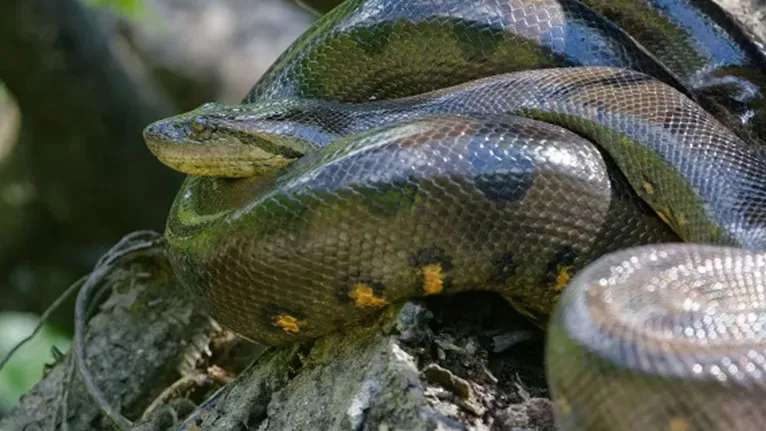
[599, 164]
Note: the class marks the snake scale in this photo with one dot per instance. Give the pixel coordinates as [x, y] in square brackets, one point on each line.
[600, 164]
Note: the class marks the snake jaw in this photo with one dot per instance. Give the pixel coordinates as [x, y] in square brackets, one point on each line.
[225, 158]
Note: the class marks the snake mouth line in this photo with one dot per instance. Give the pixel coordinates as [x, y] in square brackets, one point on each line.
[225, 168]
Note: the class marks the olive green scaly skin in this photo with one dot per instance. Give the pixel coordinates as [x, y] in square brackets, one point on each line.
[662, 337]
[452, 191]
[475, 203]
[427, 202]
[723, 65]
[396, 48]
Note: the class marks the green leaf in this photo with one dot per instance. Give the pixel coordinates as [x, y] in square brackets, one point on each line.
[26, 367]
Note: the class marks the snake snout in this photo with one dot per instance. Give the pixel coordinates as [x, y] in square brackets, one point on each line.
[154, 139]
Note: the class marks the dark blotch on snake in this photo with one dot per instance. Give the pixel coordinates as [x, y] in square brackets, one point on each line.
[476, 46]
[347, 281]
[503, 267]
[318, 117]
[279, 212]
[386, 199]
[431, 255]
[504, 179]
[672, 121]
[563, 257]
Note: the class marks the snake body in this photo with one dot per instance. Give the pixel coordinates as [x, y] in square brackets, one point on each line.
[476, 173]
[397, 48]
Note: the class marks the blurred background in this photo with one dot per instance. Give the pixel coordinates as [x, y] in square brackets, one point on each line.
[79, 79]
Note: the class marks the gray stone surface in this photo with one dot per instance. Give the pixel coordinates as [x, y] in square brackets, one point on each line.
[411, 370]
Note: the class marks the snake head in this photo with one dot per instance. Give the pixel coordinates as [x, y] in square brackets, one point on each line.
[230, 141]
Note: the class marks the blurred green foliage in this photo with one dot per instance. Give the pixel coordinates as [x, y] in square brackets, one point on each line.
[26, 367]
[131, 8]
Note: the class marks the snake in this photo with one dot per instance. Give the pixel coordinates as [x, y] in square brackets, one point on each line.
[600, 165]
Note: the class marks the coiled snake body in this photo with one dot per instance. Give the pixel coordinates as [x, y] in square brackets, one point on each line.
[520, 144]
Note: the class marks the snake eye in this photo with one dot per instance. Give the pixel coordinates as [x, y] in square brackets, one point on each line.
[200, 128]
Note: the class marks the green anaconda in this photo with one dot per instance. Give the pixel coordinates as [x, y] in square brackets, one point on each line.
[604, 176]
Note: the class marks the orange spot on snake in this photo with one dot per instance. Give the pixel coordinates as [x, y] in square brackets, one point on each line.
[364, 296]
[562, 278]
[288, 323]
[679, 424]
[433, 279]
[682, 220]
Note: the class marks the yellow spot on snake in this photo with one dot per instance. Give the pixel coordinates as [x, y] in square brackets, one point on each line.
[288, 323]
[562, 278]
[433, 279]
[648, 188]
[664, 215]
[364, 296]
[679, 424]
